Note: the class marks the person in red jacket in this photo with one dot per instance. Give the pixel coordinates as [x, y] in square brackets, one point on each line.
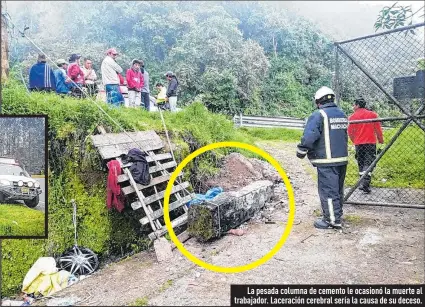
[364, 136]
[76, 74]
[135, 83]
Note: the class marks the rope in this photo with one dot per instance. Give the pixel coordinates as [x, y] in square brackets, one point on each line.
[124, 131]
[109, 117]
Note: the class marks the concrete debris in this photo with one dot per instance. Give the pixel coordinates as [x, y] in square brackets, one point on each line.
[163, 249]
[236, 232]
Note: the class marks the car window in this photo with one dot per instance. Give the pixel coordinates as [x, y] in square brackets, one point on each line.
[13, 170]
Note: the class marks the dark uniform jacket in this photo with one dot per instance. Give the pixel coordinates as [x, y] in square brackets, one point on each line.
[325, 137]
[172, 87]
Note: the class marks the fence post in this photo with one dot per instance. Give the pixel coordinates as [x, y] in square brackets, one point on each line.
[336, 80]
[240, 119]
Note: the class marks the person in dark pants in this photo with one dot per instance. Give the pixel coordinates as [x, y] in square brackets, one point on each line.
[364, 136]
[145, 99]
[171, 94]
[325, 143]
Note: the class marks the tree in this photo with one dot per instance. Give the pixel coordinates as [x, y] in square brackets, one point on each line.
[4, 50]
[391, 17]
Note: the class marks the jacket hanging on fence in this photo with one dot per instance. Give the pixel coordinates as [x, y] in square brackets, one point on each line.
[140, 167]
[115, 198]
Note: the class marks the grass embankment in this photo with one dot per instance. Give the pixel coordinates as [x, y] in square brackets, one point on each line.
[76, 172]
[19, 220]
[402, 166]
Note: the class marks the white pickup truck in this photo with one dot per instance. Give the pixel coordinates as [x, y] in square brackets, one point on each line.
[17, 184]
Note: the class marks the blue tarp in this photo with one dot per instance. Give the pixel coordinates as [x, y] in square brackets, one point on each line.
[211, 193]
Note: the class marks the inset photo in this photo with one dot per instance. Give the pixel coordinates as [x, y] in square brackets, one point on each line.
[23, 176]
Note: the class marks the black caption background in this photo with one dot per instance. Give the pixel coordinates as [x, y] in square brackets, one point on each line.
[260, 295]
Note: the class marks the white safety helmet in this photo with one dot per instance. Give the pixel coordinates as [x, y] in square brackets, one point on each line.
[324, 93]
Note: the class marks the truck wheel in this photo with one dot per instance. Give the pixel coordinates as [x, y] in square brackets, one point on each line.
[32, 203]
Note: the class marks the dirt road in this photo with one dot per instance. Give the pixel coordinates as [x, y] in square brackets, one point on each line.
[379, 245]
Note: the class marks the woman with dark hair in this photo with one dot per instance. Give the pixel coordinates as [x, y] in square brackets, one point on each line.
[76, 75]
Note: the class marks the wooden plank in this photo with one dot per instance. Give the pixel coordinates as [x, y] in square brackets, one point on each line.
[114, 151]
[153, 169]
[154, 181]
[181, 220]
[158, 213]
[158, 157]
[151, 199]
[122, 138]
[183, 237]
[113, 145]
[141, 201]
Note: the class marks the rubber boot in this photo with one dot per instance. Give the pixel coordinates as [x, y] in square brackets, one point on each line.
[323, 224]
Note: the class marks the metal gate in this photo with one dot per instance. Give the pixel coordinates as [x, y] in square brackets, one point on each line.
[387, 70]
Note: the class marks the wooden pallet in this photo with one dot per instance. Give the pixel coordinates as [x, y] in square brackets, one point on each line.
[161, 166]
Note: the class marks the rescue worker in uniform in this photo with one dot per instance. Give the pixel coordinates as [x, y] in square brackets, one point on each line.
[364, 136]
[325, 142]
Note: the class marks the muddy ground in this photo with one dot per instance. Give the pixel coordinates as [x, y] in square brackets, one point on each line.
[377, 245]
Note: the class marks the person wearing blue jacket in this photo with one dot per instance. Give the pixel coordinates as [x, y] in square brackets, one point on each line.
[325, 143]
[41, 76]
[63, 82]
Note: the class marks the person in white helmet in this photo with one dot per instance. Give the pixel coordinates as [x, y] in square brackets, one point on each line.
[325, 142]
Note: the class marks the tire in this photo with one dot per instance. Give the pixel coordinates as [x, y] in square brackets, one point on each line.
[32, 203]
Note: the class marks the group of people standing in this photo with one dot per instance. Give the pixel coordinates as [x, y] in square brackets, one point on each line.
[72, 78]
[325, 143]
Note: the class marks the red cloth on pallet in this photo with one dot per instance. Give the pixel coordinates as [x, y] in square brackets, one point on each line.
[115, 198]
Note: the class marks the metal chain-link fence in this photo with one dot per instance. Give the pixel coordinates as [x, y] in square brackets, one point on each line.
[387, 70]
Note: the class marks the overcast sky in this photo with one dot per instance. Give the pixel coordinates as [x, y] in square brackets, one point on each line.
[339, 19]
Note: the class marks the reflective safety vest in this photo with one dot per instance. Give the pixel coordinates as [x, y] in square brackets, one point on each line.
[325, 137]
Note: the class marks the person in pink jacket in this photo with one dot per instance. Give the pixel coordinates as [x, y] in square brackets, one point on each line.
[135, 83]
[75, 73]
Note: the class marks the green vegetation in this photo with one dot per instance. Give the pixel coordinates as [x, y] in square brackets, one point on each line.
[140, 302]
[353, 219]
[202, 227]
[166, 285]
[19, 220]
[250, 57]
[403, 166]
[76, 172]
[274, 134]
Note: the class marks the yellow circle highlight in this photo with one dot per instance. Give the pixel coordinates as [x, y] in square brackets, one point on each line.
[254, 264]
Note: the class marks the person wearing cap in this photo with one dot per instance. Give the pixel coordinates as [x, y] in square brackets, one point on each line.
[172, 91]
[62, 80]
[76, 75]
[110, 70]
[325, 143]
[41, 76]
[89, 77]
[145, 89]
[364, 137]
[134, 83]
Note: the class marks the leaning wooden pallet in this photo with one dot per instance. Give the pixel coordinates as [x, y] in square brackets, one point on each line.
[112, 146]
